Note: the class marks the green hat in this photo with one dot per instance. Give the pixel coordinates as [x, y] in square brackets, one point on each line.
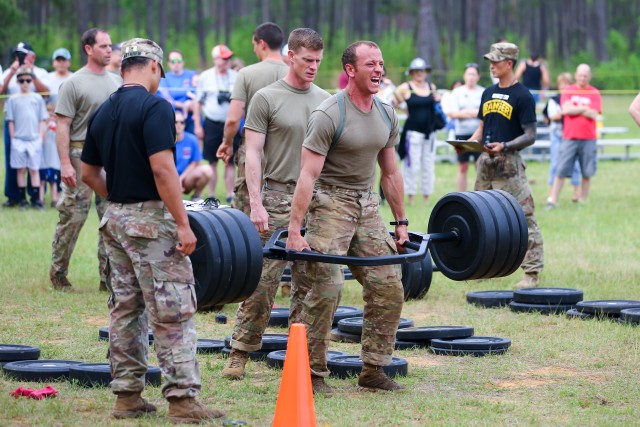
[145, 48]
[502, 51]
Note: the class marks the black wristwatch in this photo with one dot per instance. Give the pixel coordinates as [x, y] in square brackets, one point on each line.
[400, 222]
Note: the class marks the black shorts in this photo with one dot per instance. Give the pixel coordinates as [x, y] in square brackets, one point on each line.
[467, 155]
[213, 133]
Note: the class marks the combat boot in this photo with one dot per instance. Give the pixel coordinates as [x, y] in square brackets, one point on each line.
[131, 405]
[319, 386]
[235, 364]
[59, 283]
[530, 280]
[187, 410]
[373, 378]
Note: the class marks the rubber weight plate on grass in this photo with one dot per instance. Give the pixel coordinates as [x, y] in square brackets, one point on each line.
[207, 346]
[270, 342]
[428, 333]
[353, 325]
[577, 314]
[610, 308]
[490, 299]
[472, 343]
[407, 345]
[103, 334]
[476, 353]
[345, 312]
[416, 277]
[253, 355]
[338, 336]
[349, 366]
[39, 370]
[548, 296]
[519, 307]
[275, 359]
[15, 352]
[630, 315]
[99, 375]
[279, 317]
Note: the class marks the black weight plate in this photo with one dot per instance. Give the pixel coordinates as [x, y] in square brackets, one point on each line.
[490, 299]
[425, 282]
[103, 334]
[273, 342]
[39, 370]
[509, 229]
[630, 315]
[345, 312]
[15, 352]
[522, 229]
[275, 359]
[573, 313]
[279, 317]
[427, 333]
[353, 325]
[519, 307]
[476, 353]
[472, 343]
[411, 276]
[502, 224]
[208, 346]
[627, 322]
[349, 366]
[227, 341]
[252, 254]
[547, 296]
[467, 256]
[338, 336]
[285, 278]
[253, 355]
[99, 375]
[407, 345]
[347, 273]
[608, 307]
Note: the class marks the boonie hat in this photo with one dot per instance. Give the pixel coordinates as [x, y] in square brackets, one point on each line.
[145, 48]
[61, 53]
[502, 52]
[222, 51]
[24, 71]
[419, 64]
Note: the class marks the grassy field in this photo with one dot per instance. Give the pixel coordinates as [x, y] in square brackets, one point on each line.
[559, 371]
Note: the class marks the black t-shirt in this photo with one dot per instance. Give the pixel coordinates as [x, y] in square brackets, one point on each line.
[128, 128]
[504, 111]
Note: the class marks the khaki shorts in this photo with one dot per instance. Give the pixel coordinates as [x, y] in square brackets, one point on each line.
[26, 154]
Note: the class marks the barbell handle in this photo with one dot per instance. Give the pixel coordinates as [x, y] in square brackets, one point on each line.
[444, 237]
[276, 249]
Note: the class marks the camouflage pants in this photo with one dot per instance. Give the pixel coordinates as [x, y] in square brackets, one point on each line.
[253, 313]
[146, 272]
[73, 208]
[347, 222]
[507, 172]
[240, 190]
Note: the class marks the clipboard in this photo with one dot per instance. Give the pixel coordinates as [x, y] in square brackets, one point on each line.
[465, 145]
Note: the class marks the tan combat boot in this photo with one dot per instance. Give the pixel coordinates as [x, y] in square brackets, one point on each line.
[530, 280]
[131, 405]
[59, 283]
[319, 386]
[187, 410]
[235, 364]
[373, 378]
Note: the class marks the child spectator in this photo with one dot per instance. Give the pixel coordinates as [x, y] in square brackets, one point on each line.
[26, 114]
[50, 164]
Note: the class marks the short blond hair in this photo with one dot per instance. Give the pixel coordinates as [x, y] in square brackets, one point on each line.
[565, 78]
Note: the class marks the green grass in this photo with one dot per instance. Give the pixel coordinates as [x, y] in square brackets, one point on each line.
[558, 371]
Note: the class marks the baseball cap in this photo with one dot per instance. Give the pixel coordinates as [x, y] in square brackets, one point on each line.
[419, 64]
[61, 53]
[502, 51]
[285, 50]
[222, 51]
[116, 46]
[145, 48]
[24, 47]
[24, 71]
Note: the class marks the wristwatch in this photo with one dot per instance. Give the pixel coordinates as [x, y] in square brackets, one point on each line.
[400, 222]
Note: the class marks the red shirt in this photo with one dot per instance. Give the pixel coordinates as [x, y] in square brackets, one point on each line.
[580, 127]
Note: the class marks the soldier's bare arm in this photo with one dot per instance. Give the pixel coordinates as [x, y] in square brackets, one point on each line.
[392, 185]
[231, 126]
[310, 167]
[634, 109]
[166, 178]
[94, 177]
[518, 143]
[67, 172]
[253, 167]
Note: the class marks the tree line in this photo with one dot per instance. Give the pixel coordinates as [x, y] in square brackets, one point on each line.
[447, 33]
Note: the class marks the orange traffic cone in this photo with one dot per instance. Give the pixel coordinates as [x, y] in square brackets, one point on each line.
[294, 407]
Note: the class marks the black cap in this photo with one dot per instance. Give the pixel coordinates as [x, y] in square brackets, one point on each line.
[23, 47]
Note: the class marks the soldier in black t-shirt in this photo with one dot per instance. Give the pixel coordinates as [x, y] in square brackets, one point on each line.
[147, 238]
[508, 124]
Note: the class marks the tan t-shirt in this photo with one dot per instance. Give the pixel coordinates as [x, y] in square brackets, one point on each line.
[282, 112]
[81, 95]
[256, 76]
[352, 162]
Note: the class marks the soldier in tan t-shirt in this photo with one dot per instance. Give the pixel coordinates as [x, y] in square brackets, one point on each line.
[343, 216]
[274, 131]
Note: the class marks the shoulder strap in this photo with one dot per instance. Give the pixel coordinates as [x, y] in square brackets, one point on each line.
[342, 111]
[383, 113]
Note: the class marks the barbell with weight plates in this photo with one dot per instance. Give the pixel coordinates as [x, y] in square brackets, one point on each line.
[471, 235]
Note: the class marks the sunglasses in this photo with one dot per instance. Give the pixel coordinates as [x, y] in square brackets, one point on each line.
[24, 81]
[175, 61]
[179, 122]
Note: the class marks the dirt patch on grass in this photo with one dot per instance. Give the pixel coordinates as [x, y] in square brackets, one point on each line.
[55, 341]
[524, 383]
[545, 375]
[101, 321]
[423, 362]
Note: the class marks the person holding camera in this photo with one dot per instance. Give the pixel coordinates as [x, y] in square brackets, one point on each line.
[214, 96]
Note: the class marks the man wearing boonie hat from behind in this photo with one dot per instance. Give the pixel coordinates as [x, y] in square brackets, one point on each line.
[507, 125]
[147, 236]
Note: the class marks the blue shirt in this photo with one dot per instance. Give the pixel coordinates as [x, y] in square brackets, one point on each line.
[187, 151]
[175, 88]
